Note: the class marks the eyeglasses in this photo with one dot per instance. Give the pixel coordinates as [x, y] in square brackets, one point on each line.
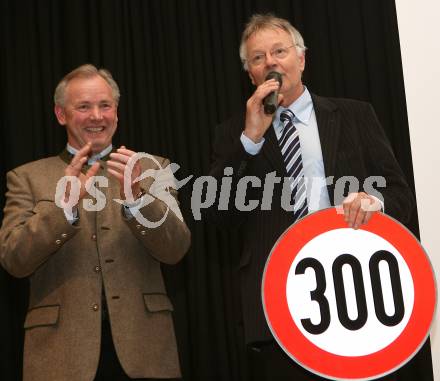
[279, 53]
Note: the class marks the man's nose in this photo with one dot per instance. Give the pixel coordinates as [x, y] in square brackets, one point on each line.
[270, 60]
[96, 113]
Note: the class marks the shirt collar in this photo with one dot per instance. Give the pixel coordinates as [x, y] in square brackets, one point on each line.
[301, 108]
[94, 158]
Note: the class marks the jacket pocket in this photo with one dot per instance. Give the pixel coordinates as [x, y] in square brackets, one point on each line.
[157, 303]
[43, 205]
[42, 316]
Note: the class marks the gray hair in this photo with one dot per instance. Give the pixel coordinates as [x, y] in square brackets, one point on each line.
[260, 22]
[85, 71]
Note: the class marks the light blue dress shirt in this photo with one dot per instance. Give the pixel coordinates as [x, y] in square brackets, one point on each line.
[313, 163]
[92, 159]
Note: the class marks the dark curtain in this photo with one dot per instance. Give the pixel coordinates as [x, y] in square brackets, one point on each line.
[178, 68]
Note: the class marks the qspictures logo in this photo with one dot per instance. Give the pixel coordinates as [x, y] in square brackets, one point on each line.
[207, 189]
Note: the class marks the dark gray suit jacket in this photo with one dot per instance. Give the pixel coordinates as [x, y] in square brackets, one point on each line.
[353, 144]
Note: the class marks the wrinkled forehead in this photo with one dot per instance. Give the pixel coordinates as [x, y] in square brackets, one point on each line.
[88, 87]
[267, 37]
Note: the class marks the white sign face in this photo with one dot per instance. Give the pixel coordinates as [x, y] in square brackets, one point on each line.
[349, 304]
[369, 334]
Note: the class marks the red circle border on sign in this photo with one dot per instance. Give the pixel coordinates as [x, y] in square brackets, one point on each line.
[322, 362]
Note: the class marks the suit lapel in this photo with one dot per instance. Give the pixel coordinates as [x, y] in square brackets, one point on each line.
[271, 150]
[328, 121]
[66, 156]
[329, 128]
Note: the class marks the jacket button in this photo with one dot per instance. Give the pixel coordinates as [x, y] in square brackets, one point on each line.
[58, 241]
[93, 237]
[143, 232]
[97, 269]
[95, 307]
[64, 235]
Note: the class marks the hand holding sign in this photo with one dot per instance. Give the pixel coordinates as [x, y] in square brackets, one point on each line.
[349, 304]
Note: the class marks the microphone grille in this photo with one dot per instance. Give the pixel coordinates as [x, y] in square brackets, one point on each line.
[274, 75]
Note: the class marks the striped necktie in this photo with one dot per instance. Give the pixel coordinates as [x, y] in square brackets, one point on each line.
[291, 152]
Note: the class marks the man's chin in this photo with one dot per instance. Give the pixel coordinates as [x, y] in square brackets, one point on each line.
[99, 146]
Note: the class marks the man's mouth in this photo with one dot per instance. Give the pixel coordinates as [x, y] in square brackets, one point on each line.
[95, 130]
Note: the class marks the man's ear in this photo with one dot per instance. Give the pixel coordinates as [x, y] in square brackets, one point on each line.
[302, 61]
[60, 114]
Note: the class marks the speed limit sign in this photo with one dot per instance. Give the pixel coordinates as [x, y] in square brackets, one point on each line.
[349, 304]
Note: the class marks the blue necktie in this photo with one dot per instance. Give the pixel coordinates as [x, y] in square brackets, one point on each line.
[291, 152]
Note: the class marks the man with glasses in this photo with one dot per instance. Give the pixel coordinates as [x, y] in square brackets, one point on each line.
[307, 138]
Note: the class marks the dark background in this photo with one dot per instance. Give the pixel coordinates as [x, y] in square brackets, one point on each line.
[178, 68]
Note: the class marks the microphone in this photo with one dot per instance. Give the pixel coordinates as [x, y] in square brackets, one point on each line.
[270, 102]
